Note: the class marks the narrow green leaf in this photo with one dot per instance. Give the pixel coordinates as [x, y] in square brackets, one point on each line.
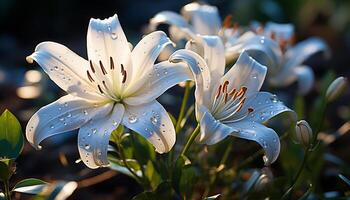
[212, 197]
[11, 138]
[152, 175]
[117, 134]
[30, 186]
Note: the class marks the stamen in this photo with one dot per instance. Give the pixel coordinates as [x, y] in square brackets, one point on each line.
[104, 84]
[102, 68]
[260, 30]
[89, 76]
[250, 110]
[226, 95]
[232, 92]
[218, 92]
[92, 67]
[240, 105]
[99, 88]
[124, 77]
[122, 68]
[244, 90]
[227, 21]
[273, 35]
[111, 62]
[224, 88]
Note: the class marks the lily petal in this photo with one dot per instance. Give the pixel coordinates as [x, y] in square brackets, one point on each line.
[65, 114]
[204, 18]
[66, 69]
[93, 137]
[106, 40]
[245, 72]
[305, 77]
[299, 53]
[151, 121]
[213, 131]
[163, 76]
[280, 31]
[147, 51]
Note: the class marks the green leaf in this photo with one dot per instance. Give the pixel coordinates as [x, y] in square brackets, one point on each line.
[116, 135]
[152, 175]
[11, 138]
[118, 165]
[164, 191]
[5, 172]
[30, 186]
[213, 197]
[188, 179]
[299, 106]
[143, 150]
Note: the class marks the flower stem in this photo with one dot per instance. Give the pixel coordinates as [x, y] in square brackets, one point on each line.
[183, 106]
[7, 190]
[190, 140]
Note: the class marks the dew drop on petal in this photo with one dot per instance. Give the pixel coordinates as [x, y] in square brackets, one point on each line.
[132, 119]
[52, 126]
[274, 99]
[55, 67]
[93, 130]
[65, 123]
[115, 123]
[154, 120]
[85, 112]
[114, 36]
[266, 160]
[69, 115]
[87, 146]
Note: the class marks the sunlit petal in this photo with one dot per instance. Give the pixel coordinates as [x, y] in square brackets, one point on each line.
[93, 137]
[151, 121]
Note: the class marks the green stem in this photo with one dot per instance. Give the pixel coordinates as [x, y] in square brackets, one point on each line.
[183, 106]
[300, 170]
[7, 190]
[190, 140]
[213, 180]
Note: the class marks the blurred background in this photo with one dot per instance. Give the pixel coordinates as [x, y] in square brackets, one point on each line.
[25, 88]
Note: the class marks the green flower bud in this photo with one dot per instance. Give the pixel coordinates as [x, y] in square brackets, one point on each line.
[303, 133]
[336, 88]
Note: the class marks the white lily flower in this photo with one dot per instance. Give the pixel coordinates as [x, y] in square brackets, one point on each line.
[230, 103]
[114, 86]
[274, 48]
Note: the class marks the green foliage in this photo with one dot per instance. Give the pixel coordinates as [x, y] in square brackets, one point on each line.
[30, 186]
[11, 138]
[163, 191]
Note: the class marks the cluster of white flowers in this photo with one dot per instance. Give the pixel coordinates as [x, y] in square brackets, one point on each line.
[118, 85]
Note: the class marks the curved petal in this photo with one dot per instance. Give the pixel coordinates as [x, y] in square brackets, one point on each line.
[214, 54]
[266, 137]
[163, 76]
[303, 50]
[151, 121]
[280, 31]
[245, 72]
[265, 106]
[168, 17]
[147, 51]
[65, 68]
[65, 114]
[107, 43]
[93, 137]
[213, 131]
[201, 74]
[305, 77]
[204, 18]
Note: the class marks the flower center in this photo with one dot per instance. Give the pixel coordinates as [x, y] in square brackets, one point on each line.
[229, 103]
[97, 75]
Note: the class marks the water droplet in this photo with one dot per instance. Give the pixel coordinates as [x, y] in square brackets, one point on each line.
[87, 146]
[65, 123]
[52, 126]
[274, 99]
[39, 147]
[115, 123]
[59, 108]
[165, 72]
[158, 74]
[56, 67]
[114, 36]
[61, 119]
[109, 28]
[254, 76]
[154, 120]
[69, 115]
[132, 119]
[66, 104]
[93, 130]
[85, 112]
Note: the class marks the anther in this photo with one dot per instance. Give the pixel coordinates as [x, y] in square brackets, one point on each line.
[224, 87]
[273, 35]
[250, 110]
[102, 68]
[104, 84]
[111, 62]
[89, 76]
[232, 92]
[99, 88]
[123, 71]
[124, 77]
[227, 21]
[219, 92]
[92, 67]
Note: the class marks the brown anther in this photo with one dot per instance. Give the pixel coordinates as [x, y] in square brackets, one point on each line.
[250, 110]
[227, 21]
[122, 68]
[104, 84]
[99, 88]
[92, 67]
[243, 91]
[283, 44]
[219, 92]
[89, 76]
[233, 91]
[273, 35]
[111, 63]
[103, 68]
[235, 26]
[124, 77]
[259, 30]
[224, 86]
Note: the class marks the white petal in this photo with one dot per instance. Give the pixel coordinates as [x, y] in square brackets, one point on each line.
[66, 69]
[305, 77]
[147, 51]
[163, 76]
[266, 106]
[93, 137]
[201, 73]
[245, 72]
[214, 54]
[262, 49]
[213, 131]
[204, 18]
[265, 137]
[106, 40]
[153, 123]
[65, 114]
[281, 31]
[303, 50]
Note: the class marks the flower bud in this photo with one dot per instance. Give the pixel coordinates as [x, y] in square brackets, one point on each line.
[264, 179]
[336, 88]
[303, 133]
